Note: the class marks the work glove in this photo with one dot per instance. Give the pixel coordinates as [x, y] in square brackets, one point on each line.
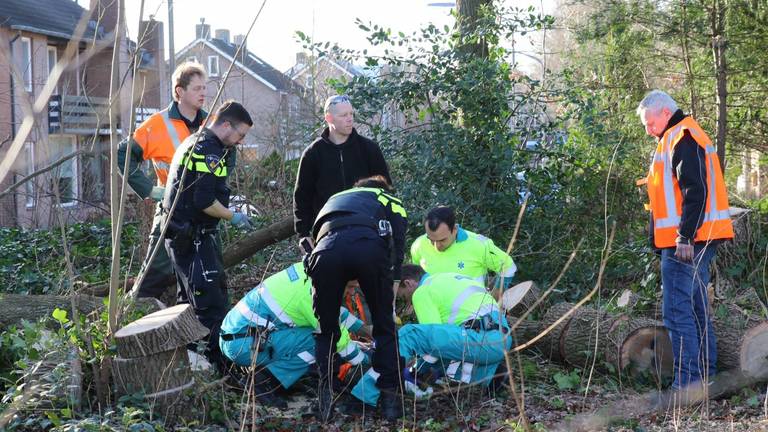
[241, 221]
[410, 385]
[157, 193]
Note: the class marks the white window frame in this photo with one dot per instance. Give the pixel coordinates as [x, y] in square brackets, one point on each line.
[29, 186]
[75, 167]
[214, 59]
[52, 50]
[192, 59]
[26, 69]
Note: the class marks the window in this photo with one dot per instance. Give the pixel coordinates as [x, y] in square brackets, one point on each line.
[213, 66]
[192, 59]
[29, 163]
[64, 177]
[25, 65]
[53, 57]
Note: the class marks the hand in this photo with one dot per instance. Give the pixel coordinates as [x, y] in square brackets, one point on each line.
[684, 252]
[240, 220]
[157, 193]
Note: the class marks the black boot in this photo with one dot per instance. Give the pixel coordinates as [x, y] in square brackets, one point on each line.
[391, 405]
[264, 388]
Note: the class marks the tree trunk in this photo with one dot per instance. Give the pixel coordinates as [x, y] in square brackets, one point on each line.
[15, 307]
[719, 44]
[584, 337]
[153, 373]
[158, 332]
[551, 344]
[524, 330]
[468, 14]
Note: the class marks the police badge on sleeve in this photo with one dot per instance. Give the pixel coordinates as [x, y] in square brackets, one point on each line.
[213, 162]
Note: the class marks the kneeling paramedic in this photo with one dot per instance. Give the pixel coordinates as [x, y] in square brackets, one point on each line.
[198, 185]
[272, 328]
[460, 332]
[359, 234]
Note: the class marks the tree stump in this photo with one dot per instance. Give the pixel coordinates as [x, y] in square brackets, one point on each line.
[160, 331]
[742, 347]
[153, 358]
[551, 344]
[638, 345]
[584, 337]
[520, 298]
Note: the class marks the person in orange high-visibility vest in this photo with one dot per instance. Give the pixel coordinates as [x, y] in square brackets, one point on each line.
[156, 140]
[689, 217]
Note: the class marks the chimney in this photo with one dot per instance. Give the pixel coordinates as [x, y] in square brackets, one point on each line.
[239, 39]
[301, 58]
[202, 30]
[223, 35]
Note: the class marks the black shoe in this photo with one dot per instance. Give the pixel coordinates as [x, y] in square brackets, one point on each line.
[353, 406]
[268, 398]
[390, 404]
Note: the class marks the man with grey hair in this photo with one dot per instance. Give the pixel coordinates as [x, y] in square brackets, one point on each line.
[331, 164]
[689, 217]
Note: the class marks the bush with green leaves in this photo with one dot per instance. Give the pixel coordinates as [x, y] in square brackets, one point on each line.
[33, 261]
[473, 132]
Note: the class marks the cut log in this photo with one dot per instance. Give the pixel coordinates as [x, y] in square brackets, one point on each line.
[520, 298]
[151, 374]
[754, 352]
[551, 343]
[638, 345]
[584, 337]
[15, 307]
[235, 253]
[161, 331]
[524, 330]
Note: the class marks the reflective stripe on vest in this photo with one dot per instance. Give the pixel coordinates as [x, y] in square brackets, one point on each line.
[384, 198]
[349, 321]
[356, 360]
[461, 298]
[252, 316]
[275, 307]
[172, 134]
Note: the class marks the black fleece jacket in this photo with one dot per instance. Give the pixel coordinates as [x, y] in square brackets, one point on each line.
[326, 168]
[689, 167]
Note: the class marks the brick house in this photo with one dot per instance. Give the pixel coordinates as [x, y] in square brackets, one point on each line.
[35, 35]
[268, 94]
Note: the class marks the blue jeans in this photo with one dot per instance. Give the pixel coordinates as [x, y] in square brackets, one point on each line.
[686, 314]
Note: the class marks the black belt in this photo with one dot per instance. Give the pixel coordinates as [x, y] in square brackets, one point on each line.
[233, 336]
[345, 221]
[481, 324]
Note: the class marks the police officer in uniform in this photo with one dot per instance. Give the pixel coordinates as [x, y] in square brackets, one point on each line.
[198, 177]
[359, 234]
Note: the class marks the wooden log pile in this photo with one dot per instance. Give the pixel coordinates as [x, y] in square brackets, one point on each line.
[630, 344]
[152, 358]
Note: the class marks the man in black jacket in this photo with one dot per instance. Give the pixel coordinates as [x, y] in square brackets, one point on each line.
[333, 163]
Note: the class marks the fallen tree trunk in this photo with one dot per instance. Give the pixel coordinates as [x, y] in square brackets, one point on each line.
[235, 253]
[551, 344]
[520, 298]
[15, 307]
[584, 337]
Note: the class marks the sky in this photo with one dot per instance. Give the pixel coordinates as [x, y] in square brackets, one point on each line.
[273, 36]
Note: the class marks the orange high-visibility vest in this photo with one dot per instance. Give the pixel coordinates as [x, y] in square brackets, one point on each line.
[158, 137]
[666, 200]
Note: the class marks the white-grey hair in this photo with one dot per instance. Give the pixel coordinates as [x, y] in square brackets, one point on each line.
[655, 101]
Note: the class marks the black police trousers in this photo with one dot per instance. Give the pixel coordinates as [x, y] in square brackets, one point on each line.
[201, 282]
[343, 255]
